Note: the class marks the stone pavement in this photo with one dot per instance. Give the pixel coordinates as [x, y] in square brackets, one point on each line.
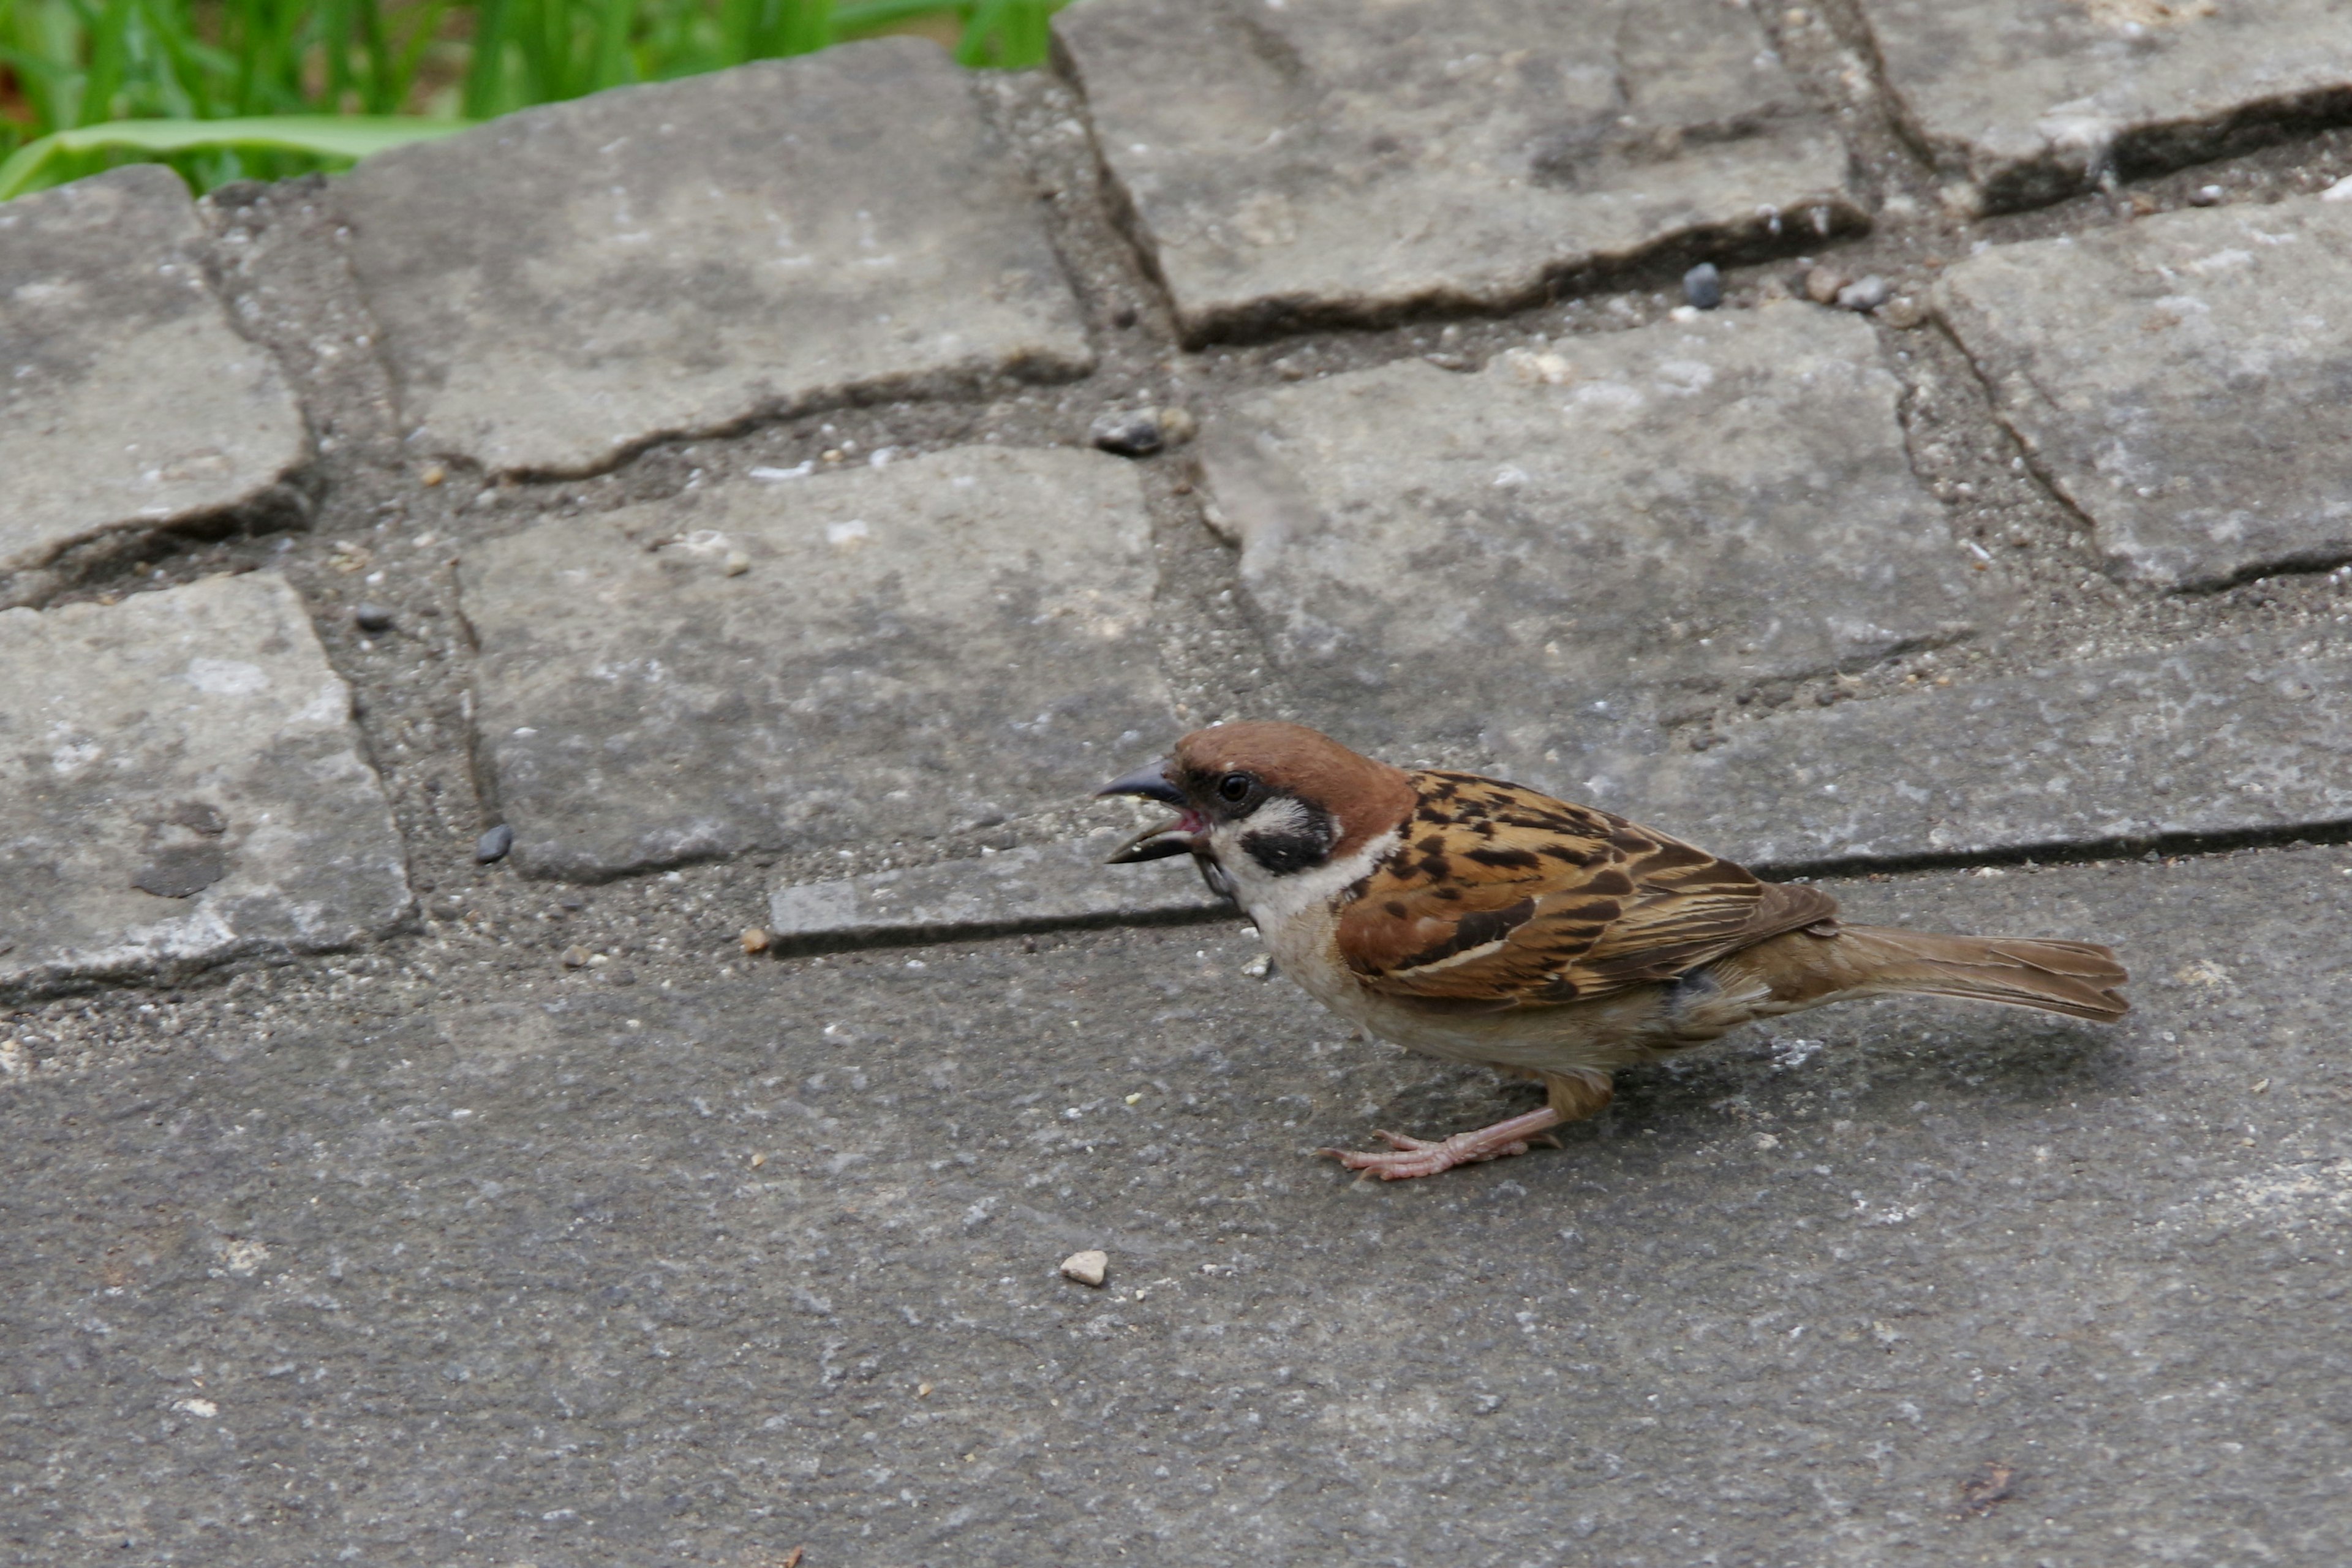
[449, 603]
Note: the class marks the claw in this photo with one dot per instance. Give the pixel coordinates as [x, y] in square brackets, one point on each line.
[1412, 1157]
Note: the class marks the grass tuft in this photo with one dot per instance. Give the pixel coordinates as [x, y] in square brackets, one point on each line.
[229, 90]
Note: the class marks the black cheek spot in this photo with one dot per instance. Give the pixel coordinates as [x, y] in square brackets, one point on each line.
[1282, 853]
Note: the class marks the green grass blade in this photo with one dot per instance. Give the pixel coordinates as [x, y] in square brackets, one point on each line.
[855, 17]
[106, 51]
[335, 136]
[615, 21]
[486, 72]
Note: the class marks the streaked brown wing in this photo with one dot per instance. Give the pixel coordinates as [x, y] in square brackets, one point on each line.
[1500, 896]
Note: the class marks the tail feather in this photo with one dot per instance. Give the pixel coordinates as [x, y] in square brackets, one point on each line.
[2075, 978]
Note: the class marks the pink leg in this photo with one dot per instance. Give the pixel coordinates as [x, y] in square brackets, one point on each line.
[1420, 1157]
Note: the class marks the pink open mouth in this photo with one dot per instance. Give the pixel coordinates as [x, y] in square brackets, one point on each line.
[1179, 836]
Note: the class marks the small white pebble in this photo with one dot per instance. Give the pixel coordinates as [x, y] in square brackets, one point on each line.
[1087, 1268]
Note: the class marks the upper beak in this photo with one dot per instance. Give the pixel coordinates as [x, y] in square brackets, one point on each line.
[1166, 838]
[1150, 781]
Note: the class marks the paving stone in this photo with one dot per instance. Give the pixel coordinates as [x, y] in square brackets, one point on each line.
[949, 641]
[2221, 737]
[1028, 888]
[127, 401]
[766, 1236]
[570, 282]
[1515, 564]
[2182, 381]
[1320, 159]
[2028, 100]
[180, 782]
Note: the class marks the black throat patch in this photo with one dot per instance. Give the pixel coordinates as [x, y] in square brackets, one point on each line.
[1300, 844]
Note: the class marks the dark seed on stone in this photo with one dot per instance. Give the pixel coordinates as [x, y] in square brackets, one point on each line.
[493, 844]
[182, 871]
[1129, 434]
[371, 617]
[1126, 316]
[1703, 285]
[620, 977]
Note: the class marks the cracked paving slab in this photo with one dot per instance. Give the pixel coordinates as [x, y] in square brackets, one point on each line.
[128, 402]
[2028, 100]
[2214, 739]
[1034, 886]
[1547, 560]
[553, 294]
[1288, 159]
[2182, 381]
[181, 783]
[770, 1261]
[945, 643]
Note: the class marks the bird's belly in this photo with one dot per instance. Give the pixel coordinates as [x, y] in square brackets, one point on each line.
[1611, 1032]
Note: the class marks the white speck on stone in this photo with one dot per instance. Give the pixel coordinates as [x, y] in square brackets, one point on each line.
[1089, 1267]
[226, 677]
[847, 535]
[2341, 191]
[204, 1407]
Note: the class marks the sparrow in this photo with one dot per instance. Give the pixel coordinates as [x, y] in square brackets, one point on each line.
[1483, 922]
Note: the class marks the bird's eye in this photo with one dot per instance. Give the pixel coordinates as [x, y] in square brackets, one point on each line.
[1234, 788]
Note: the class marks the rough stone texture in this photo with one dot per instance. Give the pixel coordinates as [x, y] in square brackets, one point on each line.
[1519, 564]
[126, 398]
[943, 643]
[2186, 381]
[1035, 888]
[557, 288]
[1320, 158]
[2229, 736]
[499, 1281]
[180, 782]
[2030, 99]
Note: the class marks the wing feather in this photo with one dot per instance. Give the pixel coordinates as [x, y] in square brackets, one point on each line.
[1498, 896]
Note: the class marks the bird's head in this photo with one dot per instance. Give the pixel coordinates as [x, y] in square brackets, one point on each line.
[1265, 800]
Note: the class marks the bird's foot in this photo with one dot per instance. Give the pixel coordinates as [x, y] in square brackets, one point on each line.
[1412, 1157]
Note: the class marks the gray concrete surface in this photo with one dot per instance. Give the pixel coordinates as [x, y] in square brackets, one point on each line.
[572, 1276]
[2183, 385]
[181, 783]
[553, 294]
[1041, 887]
[2029, 100]
[1588, 537]
[943, 643]
[2215, 739]
[127, 402]
[1310, 160]
[533, 1220]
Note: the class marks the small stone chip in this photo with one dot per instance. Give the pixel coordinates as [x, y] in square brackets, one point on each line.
[493, 844]
[1135, 434]
[1178, 426]
[1822, 283]
[1864, 294]
[575, 957]
[1087, 1268]
[757, 939]
[1703, 285]
[738, 563]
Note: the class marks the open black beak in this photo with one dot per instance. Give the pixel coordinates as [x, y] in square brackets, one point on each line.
[1163, 839]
